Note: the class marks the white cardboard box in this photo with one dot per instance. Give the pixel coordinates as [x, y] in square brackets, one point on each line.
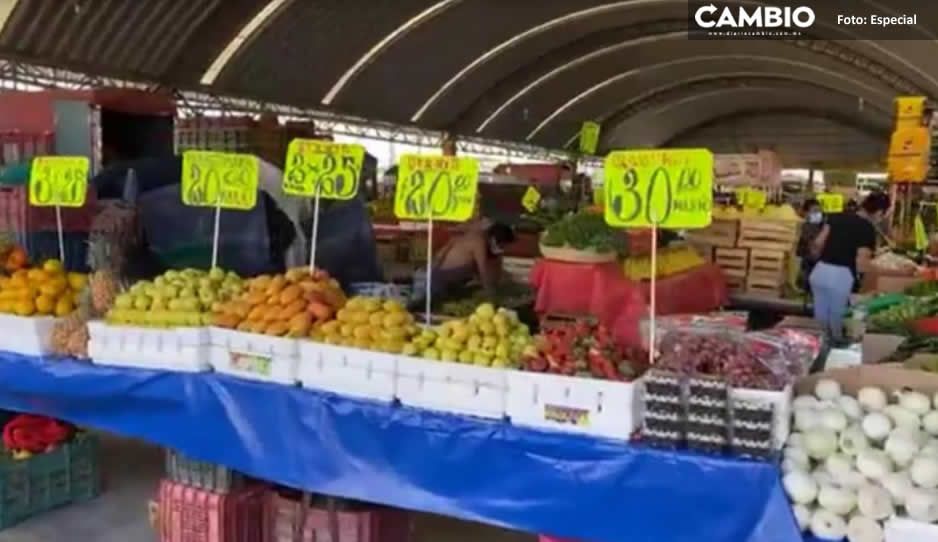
[348, 371]
[573, 404]
[176, 349]
[254, 357]
[30, 336]
[780, 400]
[452, 387]
[908, 530]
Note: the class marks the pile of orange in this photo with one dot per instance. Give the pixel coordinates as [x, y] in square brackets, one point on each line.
[47, 290]
[14, 259]
[288, 305]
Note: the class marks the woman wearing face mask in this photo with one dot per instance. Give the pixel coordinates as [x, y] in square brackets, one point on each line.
[477, 254]
[813, 221]
[844, 247]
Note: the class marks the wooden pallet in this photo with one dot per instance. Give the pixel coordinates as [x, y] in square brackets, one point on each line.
[733, 261]
[768, 234]
[769, 284]
[768, 261]
[720, 233]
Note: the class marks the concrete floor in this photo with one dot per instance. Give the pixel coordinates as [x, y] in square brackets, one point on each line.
[132, 472]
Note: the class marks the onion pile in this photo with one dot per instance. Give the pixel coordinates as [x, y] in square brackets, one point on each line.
[851, 463]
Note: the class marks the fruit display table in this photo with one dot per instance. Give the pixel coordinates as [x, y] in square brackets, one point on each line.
[481, 470]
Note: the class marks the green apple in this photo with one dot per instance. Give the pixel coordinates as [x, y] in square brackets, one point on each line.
[142, 302]
[124, 301]
[431, 353]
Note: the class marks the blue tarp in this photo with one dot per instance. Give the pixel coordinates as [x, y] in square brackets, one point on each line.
[488, 471]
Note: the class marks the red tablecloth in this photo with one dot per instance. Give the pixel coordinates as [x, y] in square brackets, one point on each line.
[603, 291]
[700, 290]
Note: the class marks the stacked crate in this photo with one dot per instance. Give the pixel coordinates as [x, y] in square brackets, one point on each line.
[755, 254]
[318, 519]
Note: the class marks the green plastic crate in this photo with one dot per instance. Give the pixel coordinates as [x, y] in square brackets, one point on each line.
[65, 475]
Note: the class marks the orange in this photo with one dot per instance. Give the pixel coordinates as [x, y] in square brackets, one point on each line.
[17, 281]
[25, 307]
[37, 275]
[45, 304]
[77, 281]
[64, 307]
[53, 287]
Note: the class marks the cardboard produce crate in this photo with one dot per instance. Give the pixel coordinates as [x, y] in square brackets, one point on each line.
[768, 234]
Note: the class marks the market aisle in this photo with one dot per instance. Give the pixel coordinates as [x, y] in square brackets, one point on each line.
[120, 515]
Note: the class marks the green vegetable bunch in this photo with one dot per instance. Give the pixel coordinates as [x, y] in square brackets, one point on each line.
[584, 231]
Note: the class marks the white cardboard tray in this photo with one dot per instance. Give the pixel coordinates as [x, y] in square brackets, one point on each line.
[348, 371]
[176, 349]
[254, 357]
[452, 387]
[30, 336]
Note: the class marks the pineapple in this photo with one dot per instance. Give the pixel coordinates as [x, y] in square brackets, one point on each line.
[103, 283]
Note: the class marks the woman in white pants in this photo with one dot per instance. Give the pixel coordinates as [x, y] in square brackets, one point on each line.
[844, 247]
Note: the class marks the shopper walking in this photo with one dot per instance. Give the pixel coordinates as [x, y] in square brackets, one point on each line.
[813, 222]
[844, 247]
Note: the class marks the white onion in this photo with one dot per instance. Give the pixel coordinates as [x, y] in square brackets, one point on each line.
[930, 423]
[800, 487]
[872, 398]
[850, 407]
[827, 525]
[874, 464]
[798, 456]
[820, 442]
[922, 504]
[806, 418]
[874, 502]
[915, 402]
[924, 472]
[876, 426]
[795, 439]
[864, 529]
[802, 516]
[833, 419]
[804, 402]
[902, 447]
[827, 389]
[822, 477]
[902, 417]
[897, 484]
[838, 465]
[839, 500]
[853, 440]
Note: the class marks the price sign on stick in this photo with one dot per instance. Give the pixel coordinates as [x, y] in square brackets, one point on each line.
[322, 169]
[831, 203]
[530, 199]
[662, 188]
[658, 188]
[589, 137]
[435, 188]
[220, 180]
[58, 181]
[751, 198]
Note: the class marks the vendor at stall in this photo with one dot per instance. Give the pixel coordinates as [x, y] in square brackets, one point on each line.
[813, 222]
[844, 247]
[475, 255]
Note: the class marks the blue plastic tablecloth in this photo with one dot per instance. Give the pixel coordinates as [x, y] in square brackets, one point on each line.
[488, 471]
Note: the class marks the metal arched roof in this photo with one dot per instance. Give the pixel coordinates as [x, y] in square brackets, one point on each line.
[510, 69]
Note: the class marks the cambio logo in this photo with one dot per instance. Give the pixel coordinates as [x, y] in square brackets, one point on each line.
[759, 17]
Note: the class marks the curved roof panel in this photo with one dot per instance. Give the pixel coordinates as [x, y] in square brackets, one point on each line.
[520, 70]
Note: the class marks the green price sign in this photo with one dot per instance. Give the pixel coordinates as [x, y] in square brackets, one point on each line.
[441, 187]
[219, 179]
[589, 137]
[669, 188]
[751, 198]
[530, 199]
[58, 181]
[330, 169]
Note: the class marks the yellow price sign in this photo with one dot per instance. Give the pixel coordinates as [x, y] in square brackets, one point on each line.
[589, 137]
[330, 169]
[530, 199]
[671, 188]
[751, 198]
[219, 179]
[831, 203]
[441, 187]
[58, 181]
[921, 237]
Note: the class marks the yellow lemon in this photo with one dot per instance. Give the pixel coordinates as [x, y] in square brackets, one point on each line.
[53, 266]
[25, 307]
[45, 304]
[77, 281]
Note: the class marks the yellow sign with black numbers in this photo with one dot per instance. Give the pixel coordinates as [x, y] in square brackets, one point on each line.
[219, 179]
[330, 169]
[531, 199]
[751, 198]
[58, 181]
[831, 203]
[437, 187]
[589, 137]
[670, 188]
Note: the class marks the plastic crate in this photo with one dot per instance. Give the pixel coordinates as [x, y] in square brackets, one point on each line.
[67, 474]
[188, 514]
[292, 520]
[202, 475]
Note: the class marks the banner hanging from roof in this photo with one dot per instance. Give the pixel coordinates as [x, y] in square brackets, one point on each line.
[756, 169]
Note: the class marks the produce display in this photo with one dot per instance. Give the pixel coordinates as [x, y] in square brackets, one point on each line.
[744, 360]
[854, 462]
[287, 305]
[586, 231]
[584, 349]
[507, 294]
[489, 337]
[45, 290]
[894, 262]
[922, 289]
[369, 323]
[670, 261]
[174, 299]
[897, 317]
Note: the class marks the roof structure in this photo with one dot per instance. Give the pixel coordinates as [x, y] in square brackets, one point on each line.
[523, 70]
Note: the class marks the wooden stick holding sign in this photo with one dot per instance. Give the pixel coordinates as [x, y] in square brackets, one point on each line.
[435, 188]
[220, 180]
[658, 189]
[59, 181]
[322, 170]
